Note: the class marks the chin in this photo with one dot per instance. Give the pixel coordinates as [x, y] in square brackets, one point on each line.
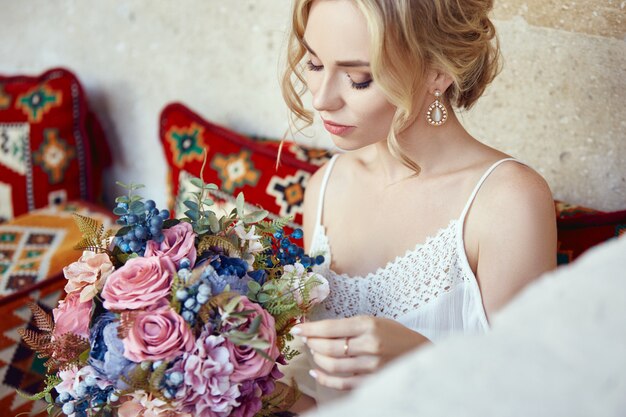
[346, 144]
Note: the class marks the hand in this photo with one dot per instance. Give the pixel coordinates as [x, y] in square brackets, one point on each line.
[371, 343]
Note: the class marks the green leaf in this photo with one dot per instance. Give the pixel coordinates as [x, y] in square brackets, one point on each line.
[263, 298]
[48, 397]
[211, 187]
[197, 182]
[193, 215]
[170, 222]
[208, 202]
[135, 198]
[137, 207]
[121, 184]
[191, 204]
[239, 204]
[254, 326]
[123, 231]
[121, 199]
[119, 211]
[254, 286]
[214, 224]
[255, 216]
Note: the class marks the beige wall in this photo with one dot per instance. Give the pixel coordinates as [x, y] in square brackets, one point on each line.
[558, 104]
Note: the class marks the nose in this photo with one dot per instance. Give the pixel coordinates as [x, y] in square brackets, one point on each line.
[327, 95]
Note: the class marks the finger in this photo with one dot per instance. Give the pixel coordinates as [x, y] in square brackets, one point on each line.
[334, 347]
[348, 327]
[340, 348]
[342, 383]
[348, 365]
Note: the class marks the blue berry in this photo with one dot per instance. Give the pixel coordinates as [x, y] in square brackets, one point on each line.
[81, 389]
[156, 221]
[319, 259]
[284, 243]
[90, 381]
[202, 298]
[135, 246]
[190, 303]
[113, 397]
[204, 289]
[164, 214]
[182, 294]
[297, 234]
[176, 378]
[188, 316]
[123, 206]
[68, 408]
[278, 234]
[132, 219]
[149, 205]
[185, 263]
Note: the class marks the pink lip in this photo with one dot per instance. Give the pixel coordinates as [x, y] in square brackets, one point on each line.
[336, 129]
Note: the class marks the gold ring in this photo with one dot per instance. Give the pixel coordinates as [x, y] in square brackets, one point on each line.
[345, 347]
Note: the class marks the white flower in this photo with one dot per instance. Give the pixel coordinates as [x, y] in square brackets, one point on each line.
[300, 279]
[254, 246]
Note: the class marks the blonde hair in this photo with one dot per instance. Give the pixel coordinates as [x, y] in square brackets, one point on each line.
[408, 37]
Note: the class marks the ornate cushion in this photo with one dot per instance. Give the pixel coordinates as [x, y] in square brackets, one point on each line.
[580, 228]
[52, 148]
[235, 163]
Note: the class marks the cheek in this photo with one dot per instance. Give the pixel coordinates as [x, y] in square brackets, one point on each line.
[375, 111]
[313, 80]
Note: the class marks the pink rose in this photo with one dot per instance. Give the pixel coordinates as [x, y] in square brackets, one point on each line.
[157, 335]
[179, 243]
[140, 283]
[72, 316]
[247, 362]
[87, 274]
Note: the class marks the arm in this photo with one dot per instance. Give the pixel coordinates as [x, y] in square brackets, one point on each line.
[516, 229]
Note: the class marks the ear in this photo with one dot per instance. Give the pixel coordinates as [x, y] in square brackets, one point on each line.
[438, 80]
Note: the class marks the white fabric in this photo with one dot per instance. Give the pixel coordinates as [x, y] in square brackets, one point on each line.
[431, 289]
[558, 349]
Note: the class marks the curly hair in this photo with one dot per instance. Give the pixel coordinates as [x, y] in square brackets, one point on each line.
[408, 38]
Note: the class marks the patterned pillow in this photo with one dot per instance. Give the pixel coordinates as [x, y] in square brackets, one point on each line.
[235, 163]
[580, 228]
[46, 156]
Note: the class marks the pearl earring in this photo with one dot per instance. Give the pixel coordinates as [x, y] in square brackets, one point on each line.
[437, 113]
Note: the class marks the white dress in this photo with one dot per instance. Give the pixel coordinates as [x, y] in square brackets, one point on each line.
[431, 289]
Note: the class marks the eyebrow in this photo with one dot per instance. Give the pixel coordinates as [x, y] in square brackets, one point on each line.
[354, 63]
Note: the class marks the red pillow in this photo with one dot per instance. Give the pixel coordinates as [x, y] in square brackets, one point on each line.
[45, 152]
[580, 228]
[235, 163]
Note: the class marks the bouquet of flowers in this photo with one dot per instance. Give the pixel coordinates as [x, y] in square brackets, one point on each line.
[176, 317]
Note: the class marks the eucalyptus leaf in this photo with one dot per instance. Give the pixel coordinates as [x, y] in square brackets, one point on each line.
[208, 202]
[121, 184]
[263, 298]
[135, 198]
[211, 186]
[193, 215]
[255, 216]
[121, 199]
[239, 204]
[119, 211]
[136, 206]
[214, 224]
[197, 182]
[254, 286]
[191, 204]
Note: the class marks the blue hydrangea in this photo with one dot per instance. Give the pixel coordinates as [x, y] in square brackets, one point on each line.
[224, 265]
[107, 349]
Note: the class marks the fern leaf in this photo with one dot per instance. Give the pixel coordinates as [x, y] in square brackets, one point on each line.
[209, 241]
[86, 225]
[43, 320]
[35, 341]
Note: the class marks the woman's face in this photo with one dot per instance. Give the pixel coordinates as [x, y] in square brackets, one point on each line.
[353, 108]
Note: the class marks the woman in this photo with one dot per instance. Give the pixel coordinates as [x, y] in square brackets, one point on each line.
[427, 232]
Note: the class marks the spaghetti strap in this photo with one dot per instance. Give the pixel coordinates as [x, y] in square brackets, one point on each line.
[480, 183]
[320, 204]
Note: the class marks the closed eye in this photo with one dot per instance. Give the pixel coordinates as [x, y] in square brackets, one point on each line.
[313, 67]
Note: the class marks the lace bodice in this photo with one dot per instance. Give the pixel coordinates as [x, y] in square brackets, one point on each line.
[430, 289]
[400, 287]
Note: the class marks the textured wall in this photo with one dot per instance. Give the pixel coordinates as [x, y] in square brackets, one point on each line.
[558, 104]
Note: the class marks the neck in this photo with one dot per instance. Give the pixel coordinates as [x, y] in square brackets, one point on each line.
[433, 148]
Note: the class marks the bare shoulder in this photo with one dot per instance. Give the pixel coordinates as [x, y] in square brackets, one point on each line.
[516, 231]
[513, 186]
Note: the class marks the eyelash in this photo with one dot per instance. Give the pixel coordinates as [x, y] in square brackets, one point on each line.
[357, 86]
